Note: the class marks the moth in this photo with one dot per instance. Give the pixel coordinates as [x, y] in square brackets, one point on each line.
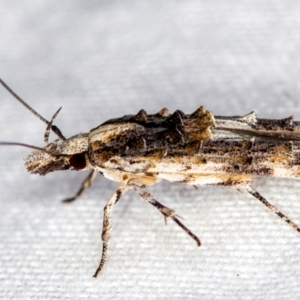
[196, 149]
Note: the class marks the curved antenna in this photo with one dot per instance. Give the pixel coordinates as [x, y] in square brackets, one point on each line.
[47, 131]
[53, 127]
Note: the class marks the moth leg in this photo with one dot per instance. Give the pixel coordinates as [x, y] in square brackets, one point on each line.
[167, 212]
[107, 224]
[84, 185]
[196, 187]
[270, 206]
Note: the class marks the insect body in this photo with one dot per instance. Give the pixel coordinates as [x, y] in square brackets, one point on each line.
[199, 148]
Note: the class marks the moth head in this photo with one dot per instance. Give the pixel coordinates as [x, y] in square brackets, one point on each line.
[69, 154]
[61, 154]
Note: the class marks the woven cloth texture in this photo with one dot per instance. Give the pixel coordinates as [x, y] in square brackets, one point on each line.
[104, 59]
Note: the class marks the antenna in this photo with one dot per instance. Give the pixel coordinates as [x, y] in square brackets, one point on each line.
[27, 146]
[52, 127]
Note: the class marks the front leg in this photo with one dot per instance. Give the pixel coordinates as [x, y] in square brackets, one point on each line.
[107, 223]
[84, 185]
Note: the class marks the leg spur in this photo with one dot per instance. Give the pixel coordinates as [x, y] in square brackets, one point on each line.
[167, 212]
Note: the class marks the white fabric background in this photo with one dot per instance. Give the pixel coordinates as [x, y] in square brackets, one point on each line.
[104, 59]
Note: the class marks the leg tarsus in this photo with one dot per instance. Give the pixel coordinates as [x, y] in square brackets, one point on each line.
[84, 185]
[107, 223]
[271, 207]
[190, 233]
[103, 260]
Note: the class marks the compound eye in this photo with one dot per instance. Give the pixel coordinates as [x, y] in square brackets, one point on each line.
[77, 161]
